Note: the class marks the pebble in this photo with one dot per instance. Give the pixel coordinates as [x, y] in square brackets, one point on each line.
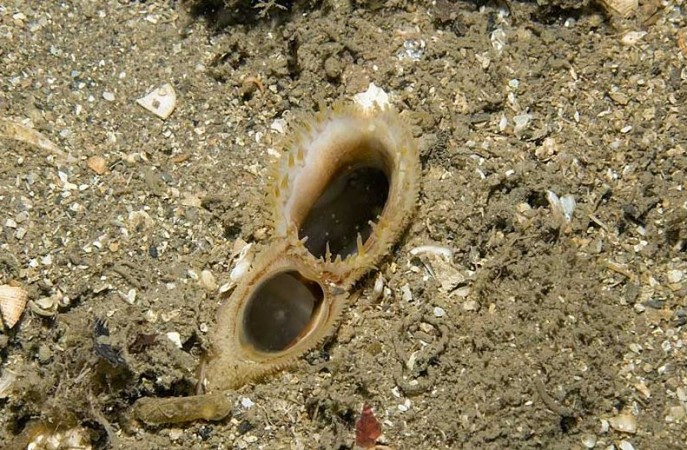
[22, 217]
[641, 387]
[6, 381]
[439, 312]
[140, 219]
[632, 37]
[604, 426]
[109, 96]
[175, 434]
[208, 281]
[681, 394]
[97, 164]
[378, 288]
[675, 414]
[619, 98]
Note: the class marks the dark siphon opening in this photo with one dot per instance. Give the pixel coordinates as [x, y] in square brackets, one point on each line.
[345, 209]
[280, 310]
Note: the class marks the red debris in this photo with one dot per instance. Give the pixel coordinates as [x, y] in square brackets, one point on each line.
[367, 428]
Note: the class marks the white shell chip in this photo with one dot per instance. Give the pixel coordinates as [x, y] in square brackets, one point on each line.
[373, 97]
[161, 101]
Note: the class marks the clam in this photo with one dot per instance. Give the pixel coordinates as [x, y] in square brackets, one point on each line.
[341, 194]
[12, 303]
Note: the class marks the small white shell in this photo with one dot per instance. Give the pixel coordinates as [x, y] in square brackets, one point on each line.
[12, 304]
[243, 263]
[161, 101]
[374, 97]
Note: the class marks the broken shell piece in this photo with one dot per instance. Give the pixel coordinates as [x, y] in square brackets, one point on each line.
[243, 263]
[161, 101]
[12, 303]
[632, 38]
[23, 133]
[624, 422]
[623, 8]
[6, 381]
[374, 97]
[47, 438]
[346, 188]
[279, 310]
[562, 208]
[208, 281]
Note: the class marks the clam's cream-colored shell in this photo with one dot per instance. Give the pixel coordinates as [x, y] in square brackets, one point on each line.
[12, 303]
[234, 359]
[623, 8]
[320, 147]
[299, 295]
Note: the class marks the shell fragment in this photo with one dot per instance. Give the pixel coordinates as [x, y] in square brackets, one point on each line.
[161, 101]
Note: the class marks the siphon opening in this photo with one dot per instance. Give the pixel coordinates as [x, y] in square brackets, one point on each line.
[280, 311]
[353, 199]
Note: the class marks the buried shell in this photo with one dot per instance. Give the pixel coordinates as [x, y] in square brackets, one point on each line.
[12, 303]
[342, 194]
[345, 188]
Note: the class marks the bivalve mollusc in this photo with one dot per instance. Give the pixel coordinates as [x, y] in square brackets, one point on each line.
[341, 194]
[12, 303]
